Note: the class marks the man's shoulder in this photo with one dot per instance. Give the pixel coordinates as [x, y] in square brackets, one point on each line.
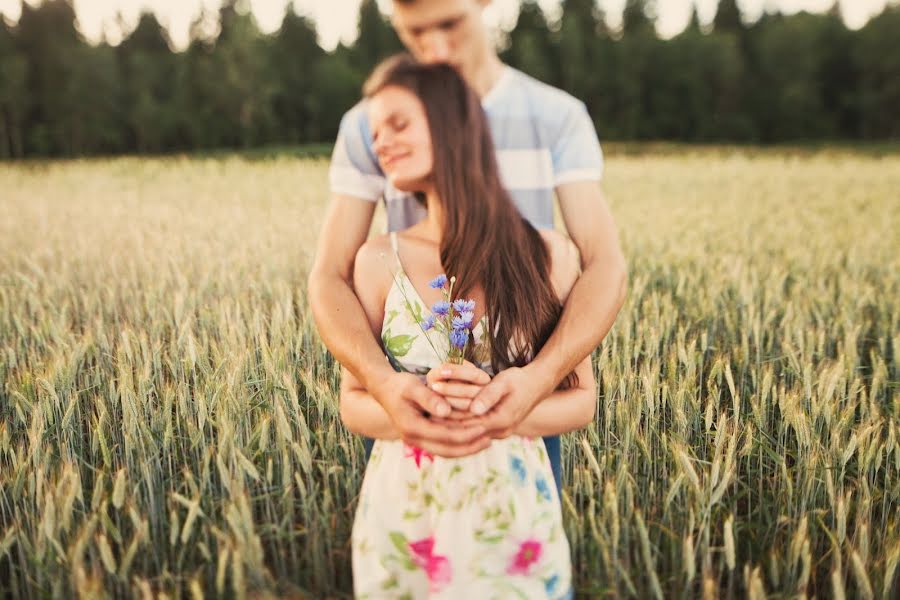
[355, 119]
[550, 101]
[354, 168]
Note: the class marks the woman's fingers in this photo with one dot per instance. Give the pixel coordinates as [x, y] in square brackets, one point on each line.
[458, 418]
[450, 389]
[464, 373]
[459, 404]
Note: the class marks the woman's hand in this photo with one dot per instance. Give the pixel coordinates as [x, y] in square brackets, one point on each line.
[458, 384]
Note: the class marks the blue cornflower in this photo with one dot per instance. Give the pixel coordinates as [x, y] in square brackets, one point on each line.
[459, 337]
[464, 305]
[438, 282]
[428, 323]
[463, 320]
[543, 490]
[517, 466]
[441, 308]
[550, 585]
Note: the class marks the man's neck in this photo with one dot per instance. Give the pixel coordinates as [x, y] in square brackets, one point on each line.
[486, 75]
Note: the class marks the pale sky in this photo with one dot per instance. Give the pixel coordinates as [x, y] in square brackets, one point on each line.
[336, 19]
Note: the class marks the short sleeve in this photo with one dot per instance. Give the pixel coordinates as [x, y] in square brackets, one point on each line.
[354, 170]
[576, 150]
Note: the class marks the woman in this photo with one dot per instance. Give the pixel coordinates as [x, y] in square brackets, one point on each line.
[489, 524]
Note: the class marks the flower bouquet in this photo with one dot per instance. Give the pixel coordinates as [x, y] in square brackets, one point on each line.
[453, 319]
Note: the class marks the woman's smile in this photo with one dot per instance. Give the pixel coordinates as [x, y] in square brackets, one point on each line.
[389, 161]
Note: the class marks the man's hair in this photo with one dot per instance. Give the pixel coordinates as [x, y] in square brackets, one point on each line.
[485, 240]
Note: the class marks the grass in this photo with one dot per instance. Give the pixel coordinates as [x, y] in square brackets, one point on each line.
[168, 417]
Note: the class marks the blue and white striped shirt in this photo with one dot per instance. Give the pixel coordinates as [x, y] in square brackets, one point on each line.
[543, 137]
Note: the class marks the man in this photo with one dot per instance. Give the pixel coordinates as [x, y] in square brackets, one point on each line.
[545, 143]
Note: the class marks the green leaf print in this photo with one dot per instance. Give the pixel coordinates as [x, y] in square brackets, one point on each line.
[399, 541]
[397, 345]
[390, 583]
[391, 315]
[488, 538]
[416, 310]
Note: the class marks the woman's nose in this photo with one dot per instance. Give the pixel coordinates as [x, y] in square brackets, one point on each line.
[381, 144]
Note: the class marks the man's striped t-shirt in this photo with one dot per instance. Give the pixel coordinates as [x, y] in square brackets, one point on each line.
[543, 138]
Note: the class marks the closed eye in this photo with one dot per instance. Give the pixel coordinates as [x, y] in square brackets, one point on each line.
[449, 24]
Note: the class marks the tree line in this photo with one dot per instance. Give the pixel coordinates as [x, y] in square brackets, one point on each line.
[782, 78]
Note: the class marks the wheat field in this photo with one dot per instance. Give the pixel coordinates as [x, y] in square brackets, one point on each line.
[168, 416]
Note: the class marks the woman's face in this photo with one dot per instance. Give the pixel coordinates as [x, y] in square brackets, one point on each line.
[401, 138]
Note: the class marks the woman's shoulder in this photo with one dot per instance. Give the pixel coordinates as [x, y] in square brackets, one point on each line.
[372, 267]
[565, 261]
[374, 253]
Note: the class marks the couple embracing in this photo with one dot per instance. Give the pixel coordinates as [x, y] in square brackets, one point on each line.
[465, 333]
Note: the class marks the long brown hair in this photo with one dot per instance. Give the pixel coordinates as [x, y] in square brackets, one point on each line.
[485, 239]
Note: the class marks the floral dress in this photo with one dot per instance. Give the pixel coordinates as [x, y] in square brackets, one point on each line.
[484, 526]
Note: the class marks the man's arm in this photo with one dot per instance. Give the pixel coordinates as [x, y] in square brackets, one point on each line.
[340, 318]
[595, 299]
[344, 328]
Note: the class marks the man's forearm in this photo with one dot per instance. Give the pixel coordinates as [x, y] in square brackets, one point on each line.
[560, 412]
[344, 329]
[587, 317]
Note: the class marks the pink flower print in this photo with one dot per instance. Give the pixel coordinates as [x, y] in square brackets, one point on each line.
[417, 453]
[528, 554]
[422, 549]
[436, 567]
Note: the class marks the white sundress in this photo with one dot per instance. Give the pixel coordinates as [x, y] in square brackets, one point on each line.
[484, 526]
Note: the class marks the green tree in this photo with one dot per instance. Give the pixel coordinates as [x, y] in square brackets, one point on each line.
[636, 16]
[376, 40]
[728, 17]
[12, 96]
[788, 51]
[529, 48]
[93, 120]
[839, 75]
[47, 40]
[148, 70]
[338, 88]
[294, 56]
[226, 92]
[581, 29]
[878, 54]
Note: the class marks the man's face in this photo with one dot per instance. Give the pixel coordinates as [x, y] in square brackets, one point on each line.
[443, 31]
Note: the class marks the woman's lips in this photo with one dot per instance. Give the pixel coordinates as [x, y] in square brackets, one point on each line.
[389, 161]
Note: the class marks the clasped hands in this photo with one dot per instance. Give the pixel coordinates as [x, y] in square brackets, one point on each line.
[462, 408]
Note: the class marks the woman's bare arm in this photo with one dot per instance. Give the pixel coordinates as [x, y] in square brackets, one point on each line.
[361, 412]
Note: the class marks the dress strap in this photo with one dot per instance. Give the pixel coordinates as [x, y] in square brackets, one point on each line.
[396, 248]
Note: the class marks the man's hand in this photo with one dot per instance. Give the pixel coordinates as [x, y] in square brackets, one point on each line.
[406, 399]
[509, 397]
